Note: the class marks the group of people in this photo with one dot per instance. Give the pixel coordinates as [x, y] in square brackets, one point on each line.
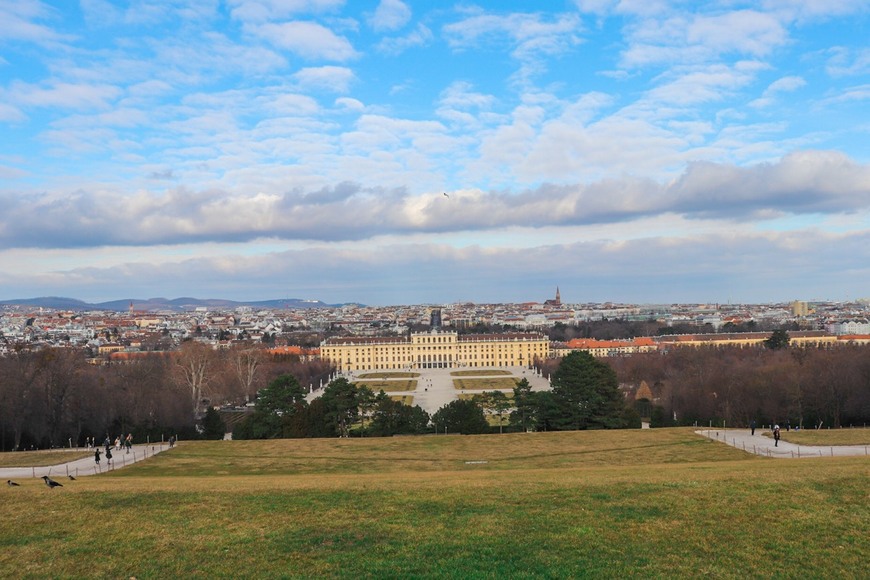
[776, 431]
[127, 442]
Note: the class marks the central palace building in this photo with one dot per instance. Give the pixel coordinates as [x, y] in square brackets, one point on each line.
[435, 350]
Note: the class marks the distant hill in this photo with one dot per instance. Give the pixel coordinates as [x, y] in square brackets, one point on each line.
[150, 304]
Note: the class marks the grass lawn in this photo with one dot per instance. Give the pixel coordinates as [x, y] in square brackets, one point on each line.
[492, 384]
[40, 458]
[827, 436]
[404, 399]
[389, 375]
[388, 386]
[486, 373]
[616, 504]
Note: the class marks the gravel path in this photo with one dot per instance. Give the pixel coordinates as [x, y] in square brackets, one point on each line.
[86, 466]
[763, 445]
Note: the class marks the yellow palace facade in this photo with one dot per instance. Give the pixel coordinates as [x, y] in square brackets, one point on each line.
[436, 349]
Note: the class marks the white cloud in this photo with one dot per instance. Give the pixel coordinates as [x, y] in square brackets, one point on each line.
[807, 182]
[306, 39]
[62, 95]
[848, 62]
[527, 34]
[265, 10]
[420, 36]
[743, 32]
[20, 23]
[390, 15]
[332, 78]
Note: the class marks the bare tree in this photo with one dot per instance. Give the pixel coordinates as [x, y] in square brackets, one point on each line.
[193, 366]
[19, 373]
[246, 362]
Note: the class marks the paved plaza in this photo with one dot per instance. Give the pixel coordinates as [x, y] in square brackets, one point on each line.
[435, 387]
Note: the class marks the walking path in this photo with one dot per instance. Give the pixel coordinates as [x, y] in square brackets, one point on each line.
[761, 445]
[86, 465]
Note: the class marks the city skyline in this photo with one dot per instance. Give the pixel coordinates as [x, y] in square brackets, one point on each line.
[389, 152]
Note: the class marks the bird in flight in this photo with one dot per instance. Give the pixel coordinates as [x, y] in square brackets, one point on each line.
[11, 483]
[50, 482]
[445, 195]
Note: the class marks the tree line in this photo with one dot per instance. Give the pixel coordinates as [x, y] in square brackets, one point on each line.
[52, 398]
[802, 386]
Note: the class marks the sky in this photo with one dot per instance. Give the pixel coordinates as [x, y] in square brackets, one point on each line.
[409, 152]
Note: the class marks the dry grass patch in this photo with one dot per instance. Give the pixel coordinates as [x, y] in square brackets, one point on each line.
[652, 503]
[404, 399]
[492, 384]
[857, 436]
[40, 458]
[485, 373]
[387, 386]
[389, 375]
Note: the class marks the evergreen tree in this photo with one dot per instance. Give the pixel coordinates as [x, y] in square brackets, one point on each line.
[587, 394]
[523, 414]
[461, 416]
[275, 405]
[212, 424]
[779, 339]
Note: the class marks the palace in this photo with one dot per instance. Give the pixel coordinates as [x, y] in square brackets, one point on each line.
[435, 349]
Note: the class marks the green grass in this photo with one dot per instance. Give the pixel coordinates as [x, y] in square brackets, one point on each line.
[485, 384]
[486, 373]
[827, 436]
[388, 386]
[639, 504]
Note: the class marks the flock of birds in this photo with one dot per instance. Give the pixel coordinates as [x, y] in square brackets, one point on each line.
[48, 481]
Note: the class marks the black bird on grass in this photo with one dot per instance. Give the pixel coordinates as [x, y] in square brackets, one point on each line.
[50, 482]
[11, 483]
[71, 478]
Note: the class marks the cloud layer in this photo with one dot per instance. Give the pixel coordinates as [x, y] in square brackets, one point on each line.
[650, 151]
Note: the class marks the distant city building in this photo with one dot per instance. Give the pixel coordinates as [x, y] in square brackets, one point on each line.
[435, 318]
[861, 326]
[557, 301]
[800, 308]
[435, 349]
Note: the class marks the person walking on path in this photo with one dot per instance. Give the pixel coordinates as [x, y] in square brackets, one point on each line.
[97, 456]
[128, 442]
[108, 456]
[752, 426]
[776, 436]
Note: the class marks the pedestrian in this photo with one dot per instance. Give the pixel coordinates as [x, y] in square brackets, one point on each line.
[97, 456]
[776, 435]
[128, 442]
[108, 455]
[788, 425]
[752, 426]
[171, 441]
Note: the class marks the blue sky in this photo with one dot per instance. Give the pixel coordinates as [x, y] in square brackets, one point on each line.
[635, 151]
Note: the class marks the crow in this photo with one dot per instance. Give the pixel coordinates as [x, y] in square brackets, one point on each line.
[50, 482]
[11, 483]
[445, 195]
[71, 478]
